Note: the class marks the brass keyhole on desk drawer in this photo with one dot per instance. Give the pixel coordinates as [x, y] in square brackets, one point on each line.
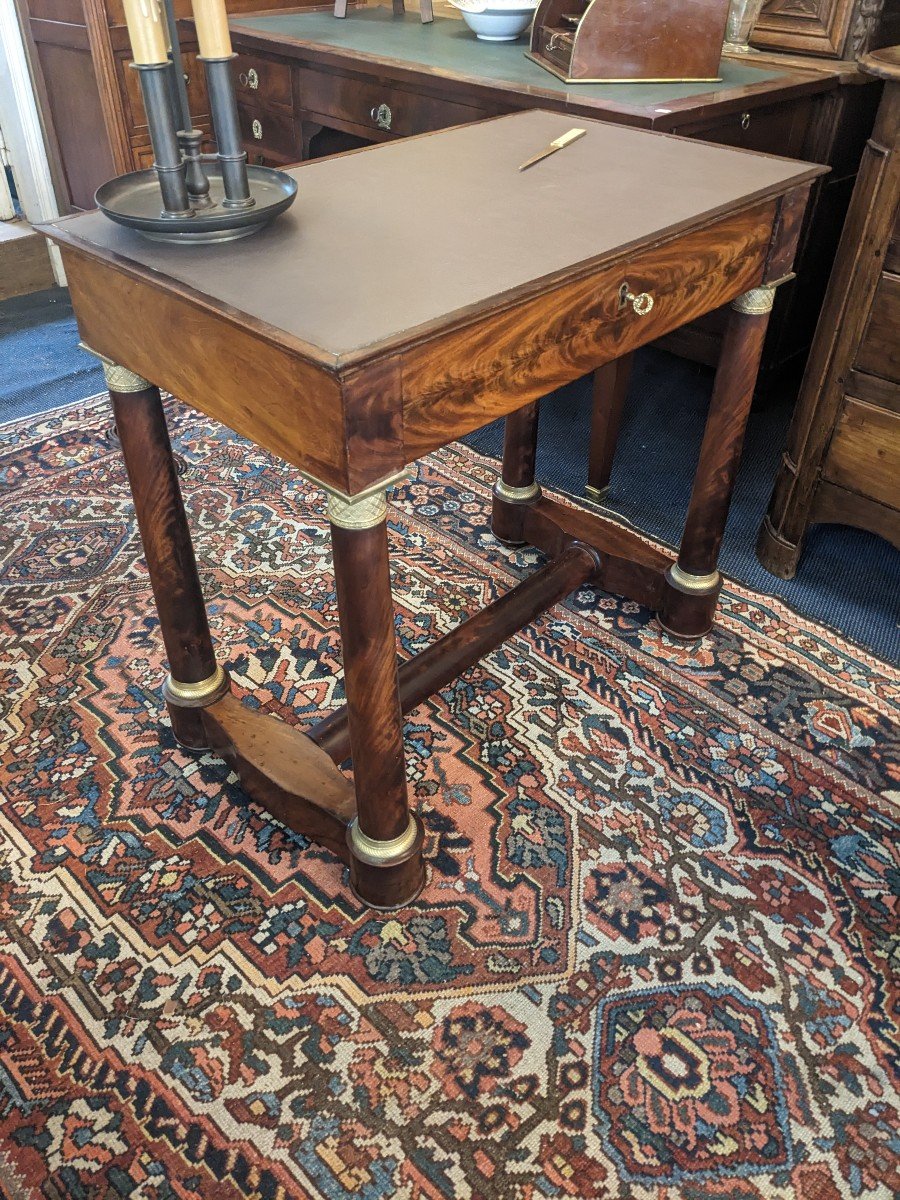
[641, 303]
[382, 116]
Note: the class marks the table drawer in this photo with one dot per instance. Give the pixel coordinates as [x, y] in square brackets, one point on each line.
[864, 455]
[262, 82]
[489, 368]
[383, 108]
[275, 135]
[879, 351]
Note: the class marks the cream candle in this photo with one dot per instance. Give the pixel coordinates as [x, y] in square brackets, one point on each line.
[212, 28]
[146, 31]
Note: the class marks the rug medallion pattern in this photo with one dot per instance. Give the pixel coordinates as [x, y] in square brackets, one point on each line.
[656, 956]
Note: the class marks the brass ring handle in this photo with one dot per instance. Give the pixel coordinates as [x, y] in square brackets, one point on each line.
[745, 120]
[641, 303]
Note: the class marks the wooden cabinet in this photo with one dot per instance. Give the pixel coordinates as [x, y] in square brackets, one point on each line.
[833, 28]
[89, 97]
[842, 462]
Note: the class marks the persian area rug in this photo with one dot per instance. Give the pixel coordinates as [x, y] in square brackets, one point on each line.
[654, 957]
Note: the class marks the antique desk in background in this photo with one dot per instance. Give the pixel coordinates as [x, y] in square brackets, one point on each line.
[358, 334]
[378, 77]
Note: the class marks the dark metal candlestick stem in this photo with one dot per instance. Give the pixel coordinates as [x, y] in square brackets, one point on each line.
[189, 138]
[168, 163]
[232, 157]
[190, 141]
[182, 107]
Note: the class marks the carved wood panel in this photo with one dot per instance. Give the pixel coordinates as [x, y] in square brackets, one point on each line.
[832, 28]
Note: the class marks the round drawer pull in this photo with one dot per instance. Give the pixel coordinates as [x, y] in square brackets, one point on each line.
[382, 116]
[642, 303]
[745, 121]
[256, 129]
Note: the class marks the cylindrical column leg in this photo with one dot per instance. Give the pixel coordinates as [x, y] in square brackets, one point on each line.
[693, 582]
[385, 839]
[610, 389]
[516, 488]
[195, 680]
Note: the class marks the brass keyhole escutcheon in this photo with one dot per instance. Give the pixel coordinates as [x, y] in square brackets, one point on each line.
[382, 116]
[642, 303]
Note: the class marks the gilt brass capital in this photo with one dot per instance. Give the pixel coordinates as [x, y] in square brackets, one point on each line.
[756, 302]
[118, 378]
[362, 513]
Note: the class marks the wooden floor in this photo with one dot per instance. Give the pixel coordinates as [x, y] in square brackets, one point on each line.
[24, 260]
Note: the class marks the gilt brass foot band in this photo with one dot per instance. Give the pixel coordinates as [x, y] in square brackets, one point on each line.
[688, 603]
[380, 853]
[390, 874]
[695, 584]
[516, 495]
[196, 695]
[118, 378]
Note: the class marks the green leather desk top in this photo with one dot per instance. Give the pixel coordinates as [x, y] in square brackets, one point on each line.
[448, 47]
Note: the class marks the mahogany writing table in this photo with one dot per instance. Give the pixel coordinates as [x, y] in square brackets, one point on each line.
[358, 333]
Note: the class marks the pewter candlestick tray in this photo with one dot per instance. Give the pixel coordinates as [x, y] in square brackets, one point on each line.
[188, 196]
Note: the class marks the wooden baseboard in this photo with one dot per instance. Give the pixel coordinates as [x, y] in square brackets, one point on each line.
[24, 260]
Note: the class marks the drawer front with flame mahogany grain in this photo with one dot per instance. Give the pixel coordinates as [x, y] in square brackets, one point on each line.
[493, 367]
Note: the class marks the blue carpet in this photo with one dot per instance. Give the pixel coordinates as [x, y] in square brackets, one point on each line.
[41, 366]
[848, 580]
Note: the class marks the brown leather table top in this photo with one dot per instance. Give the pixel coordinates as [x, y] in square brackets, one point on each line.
[411, 235]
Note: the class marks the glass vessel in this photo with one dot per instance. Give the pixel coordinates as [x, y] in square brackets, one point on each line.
[742, 16]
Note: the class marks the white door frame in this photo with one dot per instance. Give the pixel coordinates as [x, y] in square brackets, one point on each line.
[22, 131]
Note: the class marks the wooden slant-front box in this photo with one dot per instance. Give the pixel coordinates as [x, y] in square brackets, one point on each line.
[606, 41]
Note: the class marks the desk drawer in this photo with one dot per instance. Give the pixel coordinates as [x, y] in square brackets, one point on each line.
[382, 108]
[776, 129]
[263, 83]
[273, 135]
[879, 351]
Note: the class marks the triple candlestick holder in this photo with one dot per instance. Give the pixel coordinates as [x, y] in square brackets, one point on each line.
[189, 196]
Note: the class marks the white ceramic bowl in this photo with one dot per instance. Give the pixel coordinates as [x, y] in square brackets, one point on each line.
[495, 23]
